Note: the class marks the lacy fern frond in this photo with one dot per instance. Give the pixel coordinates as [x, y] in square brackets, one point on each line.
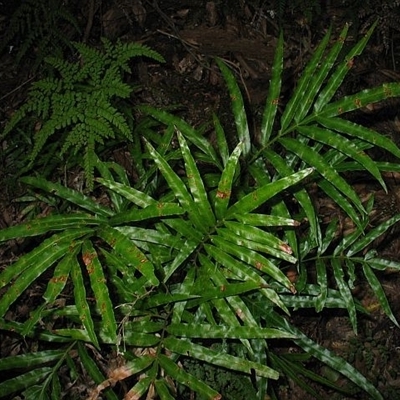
[79, 103]
[387, 14]
[39, 25]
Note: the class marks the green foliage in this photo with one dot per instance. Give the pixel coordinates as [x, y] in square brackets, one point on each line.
[191, 263]
[80, 103]
[230, 385]
[41, 27]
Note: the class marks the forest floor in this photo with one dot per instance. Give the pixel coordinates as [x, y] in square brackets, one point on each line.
[189, 38]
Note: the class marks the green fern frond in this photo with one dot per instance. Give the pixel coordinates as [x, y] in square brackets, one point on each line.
[38, 25]
[77, 138]
[17, 23]
[40, 139]
[16, 119]
[123, 52]
[68, 71]
[25, 46]
[79, 102]
[113, 87]
[62, 13]
[110, 114]
[94, 62]
[280, 5]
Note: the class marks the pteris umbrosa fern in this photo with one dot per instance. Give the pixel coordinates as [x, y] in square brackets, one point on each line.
[42, 27]
[79, 103]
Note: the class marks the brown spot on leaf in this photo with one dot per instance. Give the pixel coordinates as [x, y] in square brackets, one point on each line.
[223, 195]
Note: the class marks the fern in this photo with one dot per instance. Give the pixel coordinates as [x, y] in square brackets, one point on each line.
[79, 104]
[385, 12]
[231, 385]
[188, 273]
[280, 6]
[39, 26]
